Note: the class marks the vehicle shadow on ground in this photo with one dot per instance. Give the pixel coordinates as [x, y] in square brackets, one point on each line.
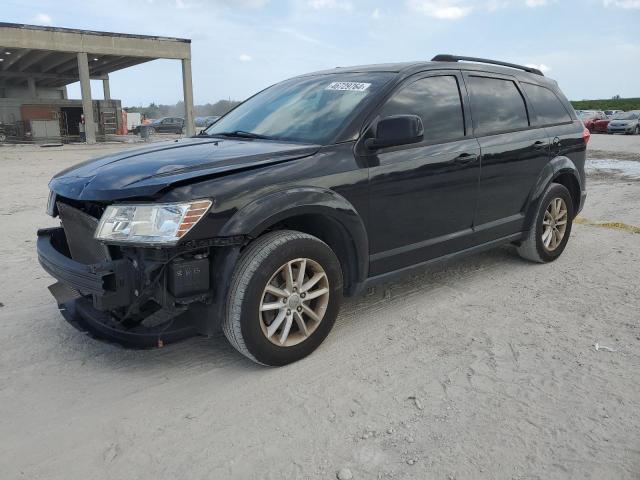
[201, 354]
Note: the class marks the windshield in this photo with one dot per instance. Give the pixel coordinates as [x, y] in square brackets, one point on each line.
[625, 116]
[305, 109]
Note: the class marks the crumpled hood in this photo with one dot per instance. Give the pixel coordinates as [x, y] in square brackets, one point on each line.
[145, 171]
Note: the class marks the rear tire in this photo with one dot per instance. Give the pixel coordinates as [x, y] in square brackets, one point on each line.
[280, 328]
[550, 228]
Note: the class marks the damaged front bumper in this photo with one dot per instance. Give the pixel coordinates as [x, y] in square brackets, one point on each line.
[110, 300]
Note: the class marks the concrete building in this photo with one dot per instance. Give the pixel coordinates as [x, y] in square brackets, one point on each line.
[37, 63]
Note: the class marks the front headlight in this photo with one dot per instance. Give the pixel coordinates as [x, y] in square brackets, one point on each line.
[159, 223]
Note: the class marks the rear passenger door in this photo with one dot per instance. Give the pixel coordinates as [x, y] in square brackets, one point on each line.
[513, 153]
[423, 195]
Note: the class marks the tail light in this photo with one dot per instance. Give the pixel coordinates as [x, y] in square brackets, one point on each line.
[586, 135]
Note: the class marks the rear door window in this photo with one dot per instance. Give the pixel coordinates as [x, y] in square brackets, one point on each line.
[497, 105]
[549, 109]
[436, 100]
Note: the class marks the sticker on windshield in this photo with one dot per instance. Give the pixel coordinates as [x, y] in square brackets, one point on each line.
[348, 86]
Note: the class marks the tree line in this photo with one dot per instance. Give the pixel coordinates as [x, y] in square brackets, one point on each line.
[154, 110]
[615, 103]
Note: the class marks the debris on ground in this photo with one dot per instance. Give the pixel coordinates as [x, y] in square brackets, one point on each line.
[602, 347]
[417, 402]
[344, 474]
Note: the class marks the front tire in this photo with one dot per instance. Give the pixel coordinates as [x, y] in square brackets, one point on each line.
[550, 229]
[284, 298]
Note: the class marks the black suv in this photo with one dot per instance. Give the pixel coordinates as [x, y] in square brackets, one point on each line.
[314, 188]
[164, 125]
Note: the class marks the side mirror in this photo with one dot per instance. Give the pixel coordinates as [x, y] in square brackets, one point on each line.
[396, 130]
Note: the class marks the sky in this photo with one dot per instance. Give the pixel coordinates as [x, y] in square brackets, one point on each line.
[591, 47]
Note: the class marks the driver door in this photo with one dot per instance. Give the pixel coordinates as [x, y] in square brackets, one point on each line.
[164, 125]
[423, 195]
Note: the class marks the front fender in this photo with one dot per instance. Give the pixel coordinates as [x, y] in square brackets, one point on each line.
[556, 167]
[261, 214]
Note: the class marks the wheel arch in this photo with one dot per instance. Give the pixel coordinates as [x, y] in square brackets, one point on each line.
[560, 170]
[316, 211]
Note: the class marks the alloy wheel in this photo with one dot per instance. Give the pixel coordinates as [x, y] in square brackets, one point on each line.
[554, 224]
[294, 302]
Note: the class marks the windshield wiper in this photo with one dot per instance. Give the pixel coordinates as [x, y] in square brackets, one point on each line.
[243, 134]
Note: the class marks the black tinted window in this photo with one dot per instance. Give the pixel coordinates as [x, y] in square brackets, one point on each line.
[497, 105]
[547, 105]
[434, 99]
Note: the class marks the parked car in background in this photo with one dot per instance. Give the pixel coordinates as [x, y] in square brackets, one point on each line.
[165, 125]
[589, 118]
[210, 120]
[7, 130]
[625, 122]
[600, 125]
[611, 113]
[206, 121]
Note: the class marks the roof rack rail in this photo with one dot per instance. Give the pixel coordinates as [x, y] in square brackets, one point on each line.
[456, 58]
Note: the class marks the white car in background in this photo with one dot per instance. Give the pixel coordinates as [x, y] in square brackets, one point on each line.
[625, 122]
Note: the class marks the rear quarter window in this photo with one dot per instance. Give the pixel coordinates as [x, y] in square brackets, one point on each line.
[497, 105]
[549, 109]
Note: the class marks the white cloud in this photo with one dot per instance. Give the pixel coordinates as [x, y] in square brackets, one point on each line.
[375, 14]
[493, 5]
[622, 3]
[443, 9]
[248, 3]
[42, 19]
[300, 36]
[253, 3]
[243, 57]
[454, 9]
[540, 66]
[331, 4]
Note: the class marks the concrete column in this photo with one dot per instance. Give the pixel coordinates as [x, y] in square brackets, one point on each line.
[31, 85]
[106, 89]
[87, 104]
[187, 91]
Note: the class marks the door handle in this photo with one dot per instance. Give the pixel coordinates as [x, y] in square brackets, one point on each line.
[465, 158]
[539, 145]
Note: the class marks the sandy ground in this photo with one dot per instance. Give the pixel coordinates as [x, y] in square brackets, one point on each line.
[480, 369]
